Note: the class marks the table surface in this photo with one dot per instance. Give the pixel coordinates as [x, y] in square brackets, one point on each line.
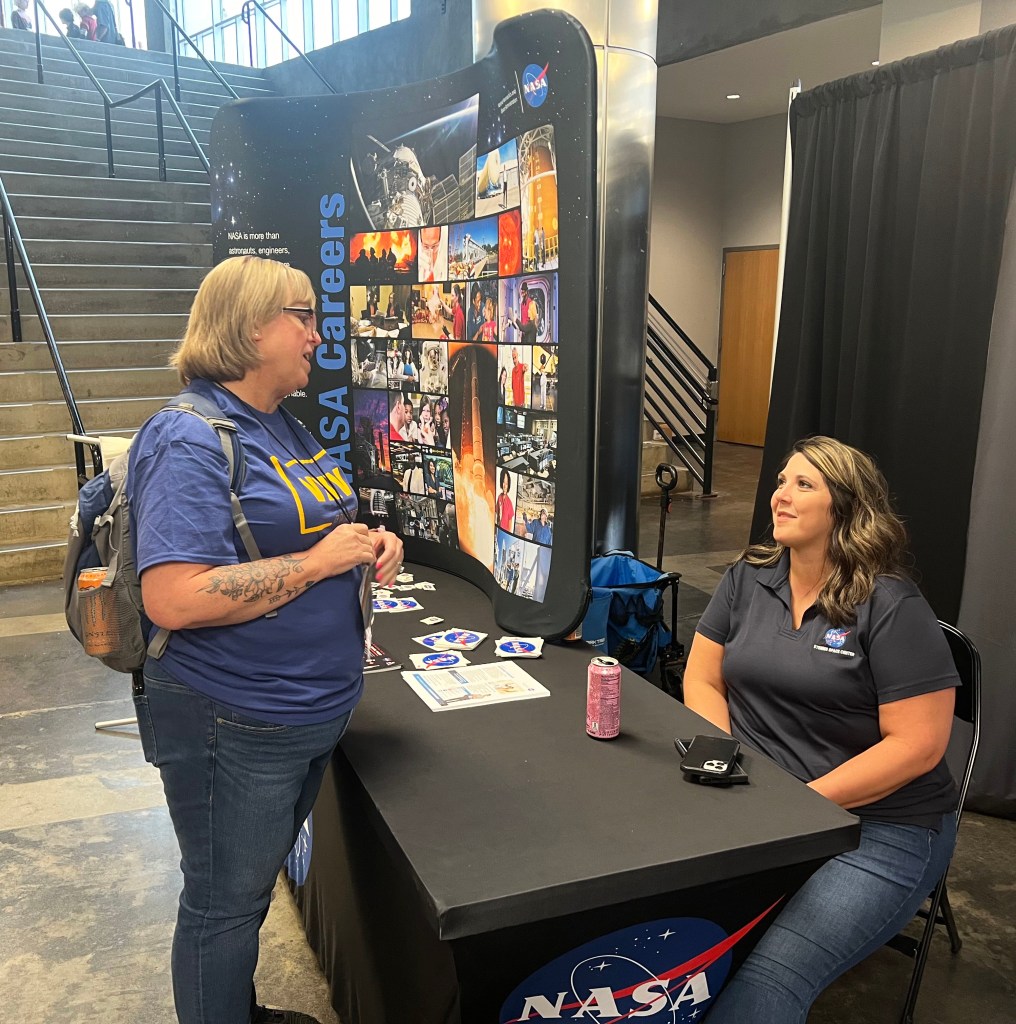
[510, 813]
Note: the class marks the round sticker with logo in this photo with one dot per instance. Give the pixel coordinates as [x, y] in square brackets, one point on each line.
[667, 970]
[535, 86]
[386, 604]
[461, 636]
[836, 637]
[441, 660]
[517, 647]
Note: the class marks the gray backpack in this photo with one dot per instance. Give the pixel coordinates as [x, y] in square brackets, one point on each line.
[100, 537]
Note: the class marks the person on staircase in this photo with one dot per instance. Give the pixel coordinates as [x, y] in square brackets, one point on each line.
[105, 27]
[18, 17]
[70, 29]
[88, 22]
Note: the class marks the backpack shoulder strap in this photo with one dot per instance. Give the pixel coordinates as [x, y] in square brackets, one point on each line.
[225, 429]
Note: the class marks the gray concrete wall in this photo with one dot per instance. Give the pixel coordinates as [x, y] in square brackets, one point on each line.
[434, 40]
[714, 187]
[690, 28]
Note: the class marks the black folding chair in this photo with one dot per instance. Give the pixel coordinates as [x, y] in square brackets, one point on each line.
[968, 709]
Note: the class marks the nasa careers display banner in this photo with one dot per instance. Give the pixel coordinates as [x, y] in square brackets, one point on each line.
[449, 230]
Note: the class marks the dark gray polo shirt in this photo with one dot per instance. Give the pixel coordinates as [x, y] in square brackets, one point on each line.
[809, 698]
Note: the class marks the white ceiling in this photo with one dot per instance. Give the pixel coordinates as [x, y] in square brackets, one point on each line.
[763, 70]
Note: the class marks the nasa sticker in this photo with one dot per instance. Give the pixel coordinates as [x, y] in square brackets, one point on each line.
[386, 604]
[442, 659]
[836, 638]
[463, 639]
[667, 970]
[517, 649]
[535, 86]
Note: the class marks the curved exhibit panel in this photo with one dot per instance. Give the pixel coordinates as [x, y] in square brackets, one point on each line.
[448, 227]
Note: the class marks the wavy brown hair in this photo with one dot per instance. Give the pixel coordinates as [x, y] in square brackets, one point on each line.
[868, 539]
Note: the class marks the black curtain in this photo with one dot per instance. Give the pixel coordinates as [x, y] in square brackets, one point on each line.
[900, 189]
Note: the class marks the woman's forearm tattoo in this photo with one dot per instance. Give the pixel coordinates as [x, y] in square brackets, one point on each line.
[251, 581]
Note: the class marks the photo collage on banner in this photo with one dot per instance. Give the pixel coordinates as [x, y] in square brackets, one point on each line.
[453, 295]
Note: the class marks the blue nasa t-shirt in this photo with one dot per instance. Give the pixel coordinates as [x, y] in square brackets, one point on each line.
[304, 664]
[809, 697]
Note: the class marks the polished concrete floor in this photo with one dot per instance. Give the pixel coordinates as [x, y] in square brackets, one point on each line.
[88, 859]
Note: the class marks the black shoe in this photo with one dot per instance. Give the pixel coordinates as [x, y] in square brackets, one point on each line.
[263, 1015]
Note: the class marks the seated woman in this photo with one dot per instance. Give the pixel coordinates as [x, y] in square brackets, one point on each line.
[819, 652]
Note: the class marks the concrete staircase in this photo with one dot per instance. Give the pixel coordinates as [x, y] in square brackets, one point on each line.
[117, 262]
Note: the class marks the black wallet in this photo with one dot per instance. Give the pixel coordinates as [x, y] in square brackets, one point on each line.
[711, 761]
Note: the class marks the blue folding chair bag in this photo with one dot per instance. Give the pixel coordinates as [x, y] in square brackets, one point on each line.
[625, 615]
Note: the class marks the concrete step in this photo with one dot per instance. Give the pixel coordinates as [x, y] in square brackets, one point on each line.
[32, 563]
[67, 73]
[63, 96]
[125, 143]
[67, 185]
[108, 382]
[38, 486]
[83, 355]
[24, 526]
[92, 109]
[124, 66]
[72, 208]
[97, 276]
[121, 254]
[109, 301]
[98, 327]
[109, 415]
[99, 55]
[95, 122]
[100, 169]
[36, 229]
[39, 450]
[59, 149]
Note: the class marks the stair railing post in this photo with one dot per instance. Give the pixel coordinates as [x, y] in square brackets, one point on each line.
[710, 437]
[109, 138]
[134, 38]
[38, 45]
[245, 18]
[176, 62]
[160, 132]
[12, 281]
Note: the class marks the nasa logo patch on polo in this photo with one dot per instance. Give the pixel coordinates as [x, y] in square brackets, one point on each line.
[836, 637]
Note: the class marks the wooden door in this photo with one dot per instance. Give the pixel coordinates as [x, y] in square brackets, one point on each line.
[746, 344]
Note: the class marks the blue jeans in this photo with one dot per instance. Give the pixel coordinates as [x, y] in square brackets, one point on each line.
[842, 914]
[238, 791]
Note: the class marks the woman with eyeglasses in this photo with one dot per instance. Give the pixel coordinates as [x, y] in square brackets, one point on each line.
[263, 667]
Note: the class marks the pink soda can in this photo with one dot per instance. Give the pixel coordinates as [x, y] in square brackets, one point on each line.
[603, 698]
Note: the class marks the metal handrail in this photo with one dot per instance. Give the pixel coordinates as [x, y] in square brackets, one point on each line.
[13, 242]
[672, 385]
[134, 38]
[194, 46]
[109, 104]
[245, 17]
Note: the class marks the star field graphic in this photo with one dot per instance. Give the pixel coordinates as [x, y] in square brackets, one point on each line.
[372, 195]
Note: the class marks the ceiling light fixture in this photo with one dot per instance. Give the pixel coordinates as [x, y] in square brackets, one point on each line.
[733, 95]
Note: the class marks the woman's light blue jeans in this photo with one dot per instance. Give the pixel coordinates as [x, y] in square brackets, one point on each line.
[842, 914]
[238, 790]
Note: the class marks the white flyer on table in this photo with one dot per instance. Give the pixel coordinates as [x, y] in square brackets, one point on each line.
[474, 686]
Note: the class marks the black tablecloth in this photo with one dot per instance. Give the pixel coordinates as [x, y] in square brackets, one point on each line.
[510, 814]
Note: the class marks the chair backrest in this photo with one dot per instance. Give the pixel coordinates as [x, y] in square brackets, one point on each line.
[968, 696]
